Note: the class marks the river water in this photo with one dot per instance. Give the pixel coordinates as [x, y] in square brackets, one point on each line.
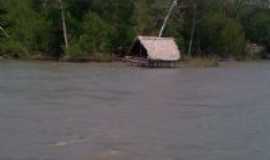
[61, 111]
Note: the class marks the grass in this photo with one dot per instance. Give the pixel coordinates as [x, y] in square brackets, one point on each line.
[92, 58]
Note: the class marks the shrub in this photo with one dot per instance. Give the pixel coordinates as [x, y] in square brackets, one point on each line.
[210, 30]
[233, 39]
[26, 27]
[93, 40]
[259, 28]
[10, 48]
[223, 36]
[75, 51]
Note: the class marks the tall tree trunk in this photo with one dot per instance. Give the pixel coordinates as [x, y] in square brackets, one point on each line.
[64, 25]
[167, 18]
[194, 24]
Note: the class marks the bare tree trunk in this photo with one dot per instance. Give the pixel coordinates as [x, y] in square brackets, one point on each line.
[5, 33]
[64, 25]
[194, 24]
[174, 4]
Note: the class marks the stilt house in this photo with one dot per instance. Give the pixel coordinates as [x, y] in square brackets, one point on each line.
[154, 52]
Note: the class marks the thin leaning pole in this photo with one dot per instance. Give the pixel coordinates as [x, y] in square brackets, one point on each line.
[174, 4]
[194, 25]
[64, 25]
[5, 33]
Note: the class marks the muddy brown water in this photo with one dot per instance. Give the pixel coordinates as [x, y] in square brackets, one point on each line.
[58, 111]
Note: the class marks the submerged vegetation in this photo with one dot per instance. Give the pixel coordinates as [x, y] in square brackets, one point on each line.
[99, 29]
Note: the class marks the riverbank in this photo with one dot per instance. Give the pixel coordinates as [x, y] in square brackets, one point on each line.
[186, 62]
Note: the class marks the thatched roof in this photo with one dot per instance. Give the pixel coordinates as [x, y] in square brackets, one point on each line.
[164, 49]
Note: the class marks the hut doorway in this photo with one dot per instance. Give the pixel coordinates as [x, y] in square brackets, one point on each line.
[138, 51]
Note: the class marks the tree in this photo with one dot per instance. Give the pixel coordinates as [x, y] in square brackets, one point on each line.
[93, 41]
[86, 27]
[59, 4]
[27, 29]
[3, 32]
[120, 15]
[64, 24]
[259, 29]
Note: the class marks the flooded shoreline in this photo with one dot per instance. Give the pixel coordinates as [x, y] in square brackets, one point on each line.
[189, 63]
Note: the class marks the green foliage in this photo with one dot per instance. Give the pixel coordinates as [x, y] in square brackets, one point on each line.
[211, 29]
[259, 28]
[94, 40]
[223, 36]
[96, 28]
[145, 17]
[233, 40]
[26, 27]
[109, 27]
[120, 15]
[10, 48]
[2, 20]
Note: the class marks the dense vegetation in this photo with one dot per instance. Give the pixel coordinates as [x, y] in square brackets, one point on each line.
[98, 28]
